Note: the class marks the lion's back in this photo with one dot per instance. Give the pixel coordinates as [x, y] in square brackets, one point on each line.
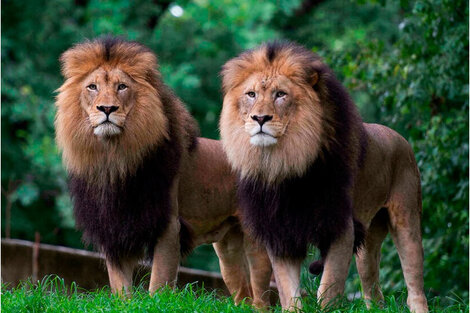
[388, 156]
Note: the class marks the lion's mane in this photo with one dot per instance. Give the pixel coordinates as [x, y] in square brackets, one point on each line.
[308, 198]
[121, 186]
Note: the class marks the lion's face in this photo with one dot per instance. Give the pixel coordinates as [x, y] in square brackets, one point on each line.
[272, 121]
[109, 109]
[107, 96]
[267, 103]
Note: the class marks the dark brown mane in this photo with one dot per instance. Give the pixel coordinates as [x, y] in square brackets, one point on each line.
[126, 218]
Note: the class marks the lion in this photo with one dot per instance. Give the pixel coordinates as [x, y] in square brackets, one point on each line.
[310, 172]
[142, 183]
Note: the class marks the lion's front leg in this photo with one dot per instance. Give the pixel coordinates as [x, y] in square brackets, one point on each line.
[166, 257]
[167, 253]
[260, 271]
[120, 276]
[287, 275]
[336, 267]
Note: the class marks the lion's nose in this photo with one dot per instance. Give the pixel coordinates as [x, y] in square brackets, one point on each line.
[107, 109]
[261, 119]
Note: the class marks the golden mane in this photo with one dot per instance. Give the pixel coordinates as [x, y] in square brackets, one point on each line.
[286, 59]
[146, 125]
[309, 128]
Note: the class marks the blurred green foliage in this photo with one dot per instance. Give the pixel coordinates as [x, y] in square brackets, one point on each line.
[404, 62]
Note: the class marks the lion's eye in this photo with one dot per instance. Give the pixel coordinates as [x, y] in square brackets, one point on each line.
[92, 87]
[251, 94]
[121, 87]
[280, 94]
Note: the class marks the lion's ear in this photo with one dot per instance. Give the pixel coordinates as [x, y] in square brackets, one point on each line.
[314, 78]
[316, 70]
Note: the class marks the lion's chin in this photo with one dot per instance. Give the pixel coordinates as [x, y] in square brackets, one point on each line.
[262, 140]
[106, 130]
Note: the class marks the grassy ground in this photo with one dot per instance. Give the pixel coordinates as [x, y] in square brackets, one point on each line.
[51, 295]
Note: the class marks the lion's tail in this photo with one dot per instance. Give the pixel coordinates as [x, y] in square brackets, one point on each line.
[316, 267]
[359, 235]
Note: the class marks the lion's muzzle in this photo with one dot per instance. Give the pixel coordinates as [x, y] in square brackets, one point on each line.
[261, 134]
[106, 122]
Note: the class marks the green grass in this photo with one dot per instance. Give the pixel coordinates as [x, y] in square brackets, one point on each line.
[51, 295]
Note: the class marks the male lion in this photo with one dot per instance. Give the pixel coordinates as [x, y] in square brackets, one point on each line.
[141, 181]
[310, 172]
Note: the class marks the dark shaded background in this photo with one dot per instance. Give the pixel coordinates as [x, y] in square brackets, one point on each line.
[404, 62]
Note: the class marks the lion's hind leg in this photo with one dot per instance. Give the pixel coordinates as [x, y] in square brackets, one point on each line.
[368, 258]
[404, 209]
[233, 264]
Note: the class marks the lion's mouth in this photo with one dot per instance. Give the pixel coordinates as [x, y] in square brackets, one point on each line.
[107, 129]
[262, 133]
[107, 122]
[263, 139]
